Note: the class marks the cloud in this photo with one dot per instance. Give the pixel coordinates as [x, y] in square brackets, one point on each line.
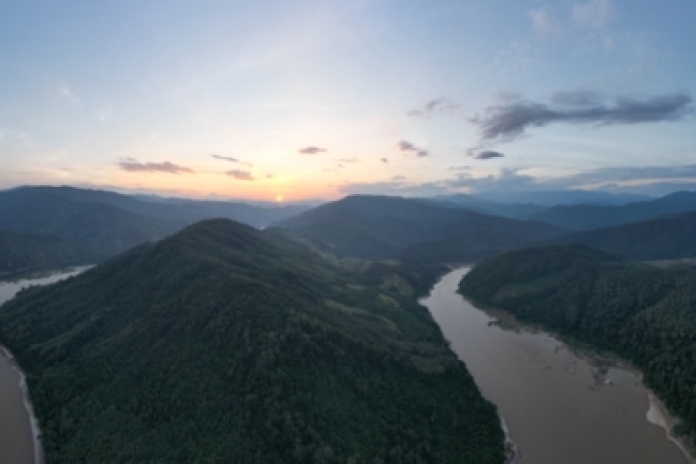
[409, 147]
[225, 158]
[595, 13]
[397, 178]
[105, 113]
[348, 160]
[653, 180]
[311, 150]
[240, 175]
[68, 95]
[459, 168]
[438, 107]
[543, 23]
[132, 165]
[507, 121]
[487, 154]
[385, 160]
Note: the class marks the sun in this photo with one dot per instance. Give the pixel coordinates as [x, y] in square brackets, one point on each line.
[279, 198]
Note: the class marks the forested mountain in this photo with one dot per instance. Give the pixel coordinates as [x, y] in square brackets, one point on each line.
[494, 208]
[19, 253]
[226, 344]
[87, 226]
[172, 210]
[560, 197]
[379, 227]
[588, 217]
[644, 314]
[671, 237]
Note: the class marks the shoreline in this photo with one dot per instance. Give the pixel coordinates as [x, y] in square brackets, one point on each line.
[38, 456]
[511, 452]
[657, 413]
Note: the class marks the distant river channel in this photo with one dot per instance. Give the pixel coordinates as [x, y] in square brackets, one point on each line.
[558, 407]
[16, 429]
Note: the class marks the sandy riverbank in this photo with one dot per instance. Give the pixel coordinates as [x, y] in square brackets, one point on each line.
[659, 415]
[36, 433]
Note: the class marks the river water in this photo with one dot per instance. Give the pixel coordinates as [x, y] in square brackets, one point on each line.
[556, 408]
[16, 433]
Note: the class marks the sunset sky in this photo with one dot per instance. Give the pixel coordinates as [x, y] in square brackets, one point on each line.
[319, 99]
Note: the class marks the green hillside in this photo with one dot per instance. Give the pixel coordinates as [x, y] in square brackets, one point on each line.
[225, 344]
[592, 216]
[664, 238]
[21, 253]
[381, 227]
[644, 314]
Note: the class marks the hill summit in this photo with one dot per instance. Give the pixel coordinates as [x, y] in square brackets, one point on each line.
[226, 344]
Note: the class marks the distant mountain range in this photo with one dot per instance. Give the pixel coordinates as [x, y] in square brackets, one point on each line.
[587, 217]
[53, 226]
[223, 343]
[78, 226]
[381, 227]
[669, 237]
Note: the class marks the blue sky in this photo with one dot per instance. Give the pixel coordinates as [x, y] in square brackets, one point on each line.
[317, 99]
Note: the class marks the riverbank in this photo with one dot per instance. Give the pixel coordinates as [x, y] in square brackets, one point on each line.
[657, 414]
[38, 457]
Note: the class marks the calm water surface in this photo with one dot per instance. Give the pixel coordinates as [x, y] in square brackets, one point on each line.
[554, 407]
[16, 435]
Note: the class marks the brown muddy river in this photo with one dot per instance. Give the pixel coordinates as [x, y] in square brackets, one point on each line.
[554, 407]
[16, 433]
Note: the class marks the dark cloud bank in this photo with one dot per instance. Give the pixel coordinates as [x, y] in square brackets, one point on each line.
[504, 122]
[508, 121]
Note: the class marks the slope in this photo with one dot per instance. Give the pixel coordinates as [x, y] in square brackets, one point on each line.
[224, 344]
[644, 314]
[379, 227]
[664, 238]
[20, 253]
[588, 217]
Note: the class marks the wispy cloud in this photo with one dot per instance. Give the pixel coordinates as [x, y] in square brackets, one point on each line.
[132, 165]
[543, 23]
[348, 160]
[68, 95]
[408, 147]
[105, 114]
[240, 175]
[595, 13]
[398, 178]
[385, 160]
[487, 154]
[311, 150]
[438, 107]
[225, 158]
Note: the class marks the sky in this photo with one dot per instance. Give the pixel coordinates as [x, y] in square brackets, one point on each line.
[293, 100]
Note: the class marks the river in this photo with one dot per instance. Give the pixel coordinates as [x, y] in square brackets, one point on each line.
[16, 431]
[555, 405]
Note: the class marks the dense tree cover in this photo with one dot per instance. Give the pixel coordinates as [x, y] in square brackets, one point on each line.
[21, 253]
[665, 238]
[64, 225]
[594, 216]
[644, 314]
[225, 344]
[381, 227]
